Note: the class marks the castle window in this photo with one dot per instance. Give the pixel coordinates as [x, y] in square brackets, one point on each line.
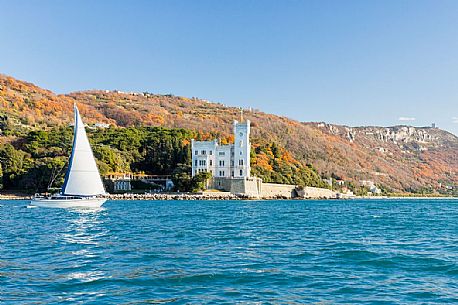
[221, 153]
[211, 152]
[211, 162]
[196, 152]
[241, 172]
[241, 162]
[241, 143]
[204, 152]
[195, 162]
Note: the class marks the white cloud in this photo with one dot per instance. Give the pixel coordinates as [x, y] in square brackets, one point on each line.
[455, 119]
[403, 118]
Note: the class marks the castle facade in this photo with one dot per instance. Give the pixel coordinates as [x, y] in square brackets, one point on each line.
[224, 161]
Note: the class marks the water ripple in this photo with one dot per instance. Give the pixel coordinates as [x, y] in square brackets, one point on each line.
[254, 252]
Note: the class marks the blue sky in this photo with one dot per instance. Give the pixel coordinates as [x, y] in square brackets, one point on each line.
[346, 62]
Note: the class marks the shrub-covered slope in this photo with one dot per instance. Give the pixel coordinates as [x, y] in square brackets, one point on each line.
[401, 158]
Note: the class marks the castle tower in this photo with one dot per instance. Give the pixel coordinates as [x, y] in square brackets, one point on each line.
[242, 149]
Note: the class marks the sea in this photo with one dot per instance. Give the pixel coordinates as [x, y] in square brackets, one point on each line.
[231, 252]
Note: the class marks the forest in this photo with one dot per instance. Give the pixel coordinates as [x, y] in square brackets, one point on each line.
[36, 160]
[400, 159]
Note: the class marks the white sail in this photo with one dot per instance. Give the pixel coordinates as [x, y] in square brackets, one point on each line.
[83, 177]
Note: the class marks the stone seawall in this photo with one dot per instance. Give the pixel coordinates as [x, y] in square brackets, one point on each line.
[249, 187]
[317, 193]
[254, 188]
[273, 190]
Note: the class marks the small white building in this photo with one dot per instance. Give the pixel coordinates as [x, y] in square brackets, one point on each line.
[120, 182]
[224, 161]
[372, 187]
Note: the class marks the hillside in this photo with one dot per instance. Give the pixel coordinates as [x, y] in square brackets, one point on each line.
[400, 158]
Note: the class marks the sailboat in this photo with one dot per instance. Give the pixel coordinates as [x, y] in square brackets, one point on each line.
[83, 187]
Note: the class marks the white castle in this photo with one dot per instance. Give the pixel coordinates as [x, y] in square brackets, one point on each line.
[224, 161]
[230, 168]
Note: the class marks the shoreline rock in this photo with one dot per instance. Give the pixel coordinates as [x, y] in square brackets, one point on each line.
[213, 196]
[177, 196]
[14, 197]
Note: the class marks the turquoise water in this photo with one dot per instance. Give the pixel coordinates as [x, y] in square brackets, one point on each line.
[179, 252]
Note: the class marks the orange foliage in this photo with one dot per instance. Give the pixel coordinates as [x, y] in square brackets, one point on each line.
[327, 147]
[262, 160]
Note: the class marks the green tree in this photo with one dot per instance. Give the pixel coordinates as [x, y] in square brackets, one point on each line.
[181, 178]
[199, 181]
[15, 163]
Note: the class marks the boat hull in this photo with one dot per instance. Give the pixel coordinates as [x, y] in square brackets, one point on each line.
[90, 203]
